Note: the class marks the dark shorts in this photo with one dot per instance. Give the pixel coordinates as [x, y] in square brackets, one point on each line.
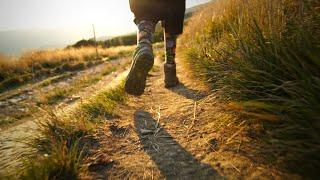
[170, 12]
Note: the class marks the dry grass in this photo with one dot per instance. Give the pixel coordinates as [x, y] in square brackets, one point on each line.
[57, 94]
[60, 146]
[33, 65]
[52, 57]
[104, 103]
[65, 137]
[262, 56]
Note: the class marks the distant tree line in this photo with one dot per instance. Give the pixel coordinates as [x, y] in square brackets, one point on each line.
[124, 40]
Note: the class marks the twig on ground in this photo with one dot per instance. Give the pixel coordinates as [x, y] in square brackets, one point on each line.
[156, 132]
[155, 147]
[158, 118]
[194, 117]
[235, 134]
[158, 127]
[145, 131]
[235, 168]
[239, 146]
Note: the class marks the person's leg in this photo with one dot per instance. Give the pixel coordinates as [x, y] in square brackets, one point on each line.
[142, 59]
[173, 24]
[147, 13]
[170, 45]
[145, 33]
[171, 79]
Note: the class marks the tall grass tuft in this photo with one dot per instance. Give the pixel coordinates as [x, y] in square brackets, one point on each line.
[104, 103]
[263, 56]
[61, 145]
[64, 139]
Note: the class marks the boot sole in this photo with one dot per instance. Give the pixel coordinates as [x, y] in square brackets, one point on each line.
[137, 77]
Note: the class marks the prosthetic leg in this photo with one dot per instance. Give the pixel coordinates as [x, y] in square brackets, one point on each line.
[170, 72]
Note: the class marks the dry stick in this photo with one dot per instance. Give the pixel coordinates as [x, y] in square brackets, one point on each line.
[155, 147]
[194, 117]
[159, 116]
[239, 146]
[157, 127]
[234, 135]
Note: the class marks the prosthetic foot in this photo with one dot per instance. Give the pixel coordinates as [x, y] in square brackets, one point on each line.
[170, 73]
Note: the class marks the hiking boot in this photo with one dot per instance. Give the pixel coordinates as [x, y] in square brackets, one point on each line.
[170, 73]
[143, 60]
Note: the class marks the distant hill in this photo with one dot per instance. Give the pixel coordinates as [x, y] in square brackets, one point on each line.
[15, 41]
[103, 38]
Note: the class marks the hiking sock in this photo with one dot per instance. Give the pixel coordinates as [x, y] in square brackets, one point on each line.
[170, 44]
[146, 30]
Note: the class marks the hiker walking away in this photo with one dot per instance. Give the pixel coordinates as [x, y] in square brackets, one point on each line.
[147, 14]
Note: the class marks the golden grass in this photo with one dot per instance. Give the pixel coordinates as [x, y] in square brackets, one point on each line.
[45, 63]
[262, 56]
[32, 58]
[64, 138]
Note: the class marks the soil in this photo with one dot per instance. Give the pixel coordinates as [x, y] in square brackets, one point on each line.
[168, 134]
[148, 140]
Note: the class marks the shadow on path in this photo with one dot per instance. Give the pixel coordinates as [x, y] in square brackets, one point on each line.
[188, 93]
[170, 157]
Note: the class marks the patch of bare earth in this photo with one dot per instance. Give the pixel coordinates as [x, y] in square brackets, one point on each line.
[176, 133]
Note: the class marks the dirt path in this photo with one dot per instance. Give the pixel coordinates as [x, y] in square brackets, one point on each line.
[178, 133]
[164, 134]
[149, 140]
[19, 104]
[13, 139]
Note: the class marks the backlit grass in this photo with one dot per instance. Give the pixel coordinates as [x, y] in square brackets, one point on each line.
[263, 58]
[104, 104]
[62, 141]
[39, 64]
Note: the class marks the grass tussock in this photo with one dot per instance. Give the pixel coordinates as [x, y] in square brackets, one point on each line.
[62, 143]
[104, 103]
[263, 57]
[33, 65]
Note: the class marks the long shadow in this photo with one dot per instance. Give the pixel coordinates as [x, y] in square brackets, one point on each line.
[171, 158]
[188, 93]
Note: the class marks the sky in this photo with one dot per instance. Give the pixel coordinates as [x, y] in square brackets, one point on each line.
[108, 16]
[72, 17]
